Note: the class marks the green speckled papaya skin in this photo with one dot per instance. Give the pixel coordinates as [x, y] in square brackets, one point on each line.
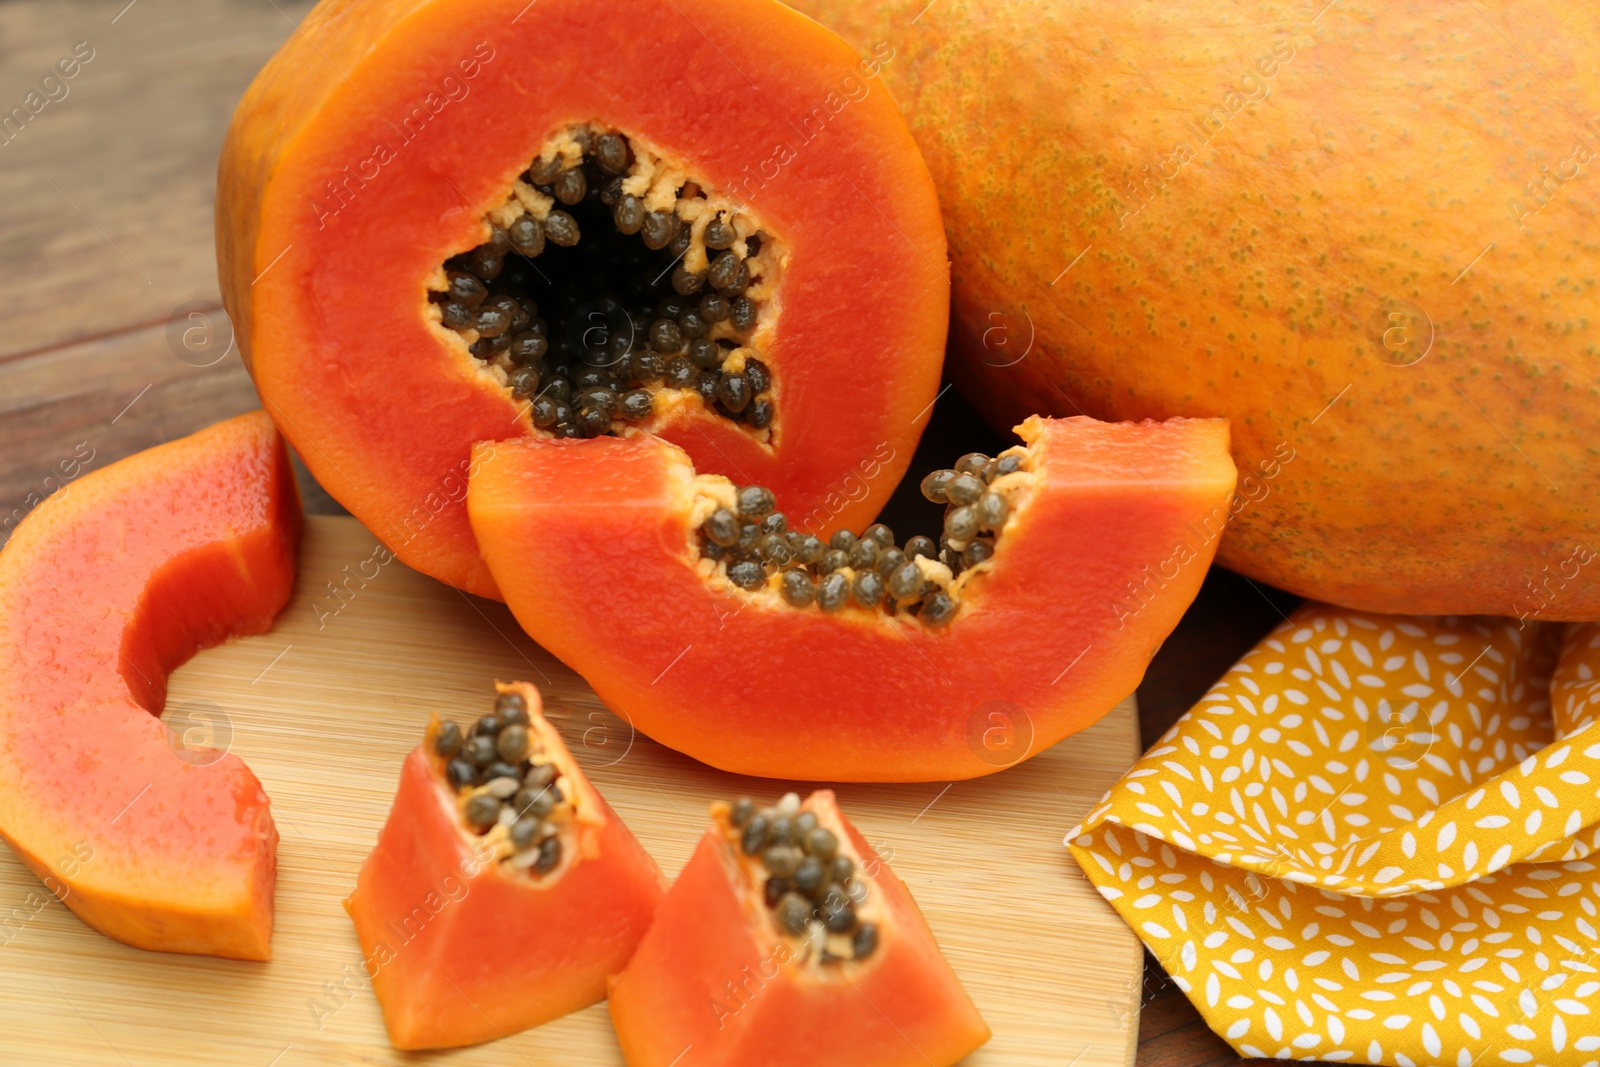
[1362, 231]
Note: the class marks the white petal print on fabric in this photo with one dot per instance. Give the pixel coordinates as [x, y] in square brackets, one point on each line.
[1575, 690]
[1575, 706]
[1368, 843]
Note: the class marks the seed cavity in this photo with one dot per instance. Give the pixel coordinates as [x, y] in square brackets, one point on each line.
[818, 898]
[607, 263]
[750, 543]
[507, 791]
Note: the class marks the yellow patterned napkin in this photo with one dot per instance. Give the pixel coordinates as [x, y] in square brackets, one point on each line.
[1370, 842]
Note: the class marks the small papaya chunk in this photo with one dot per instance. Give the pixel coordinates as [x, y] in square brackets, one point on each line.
[786, 941]
[503, 890]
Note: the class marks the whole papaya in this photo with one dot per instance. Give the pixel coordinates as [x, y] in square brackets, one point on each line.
[1362, 231]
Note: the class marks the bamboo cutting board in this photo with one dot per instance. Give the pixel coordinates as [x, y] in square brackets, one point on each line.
[324, 707]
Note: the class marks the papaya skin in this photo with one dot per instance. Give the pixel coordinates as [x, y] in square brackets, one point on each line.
[595, 545]
[901, 1007]
[385, 408]
[103, 591]
[1252, 274]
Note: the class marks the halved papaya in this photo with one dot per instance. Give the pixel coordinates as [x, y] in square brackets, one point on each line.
[786, 941]
[696, 612]
[104, 590]
[503, 890]
[441, 223]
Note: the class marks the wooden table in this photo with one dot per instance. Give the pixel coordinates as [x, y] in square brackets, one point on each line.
[112, 338]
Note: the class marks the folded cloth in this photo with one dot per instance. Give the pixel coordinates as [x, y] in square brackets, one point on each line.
[1370, 842]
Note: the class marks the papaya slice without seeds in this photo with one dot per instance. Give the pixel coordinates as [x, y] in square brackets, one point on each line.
[1109, 533]
[391, 139]
[717, 982]
[104, 590]
[463, 942]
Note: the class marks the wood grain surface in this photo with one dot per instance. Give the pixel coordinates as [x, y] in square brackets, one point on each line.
[324, 707]
[106, 242]
[108, 191]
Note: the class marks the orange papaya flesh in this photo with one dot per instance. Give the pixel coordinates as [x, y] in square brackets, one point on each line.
[105, 589]
[1098, 559]
[463, 945]
[371, 148]
[717, 981]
